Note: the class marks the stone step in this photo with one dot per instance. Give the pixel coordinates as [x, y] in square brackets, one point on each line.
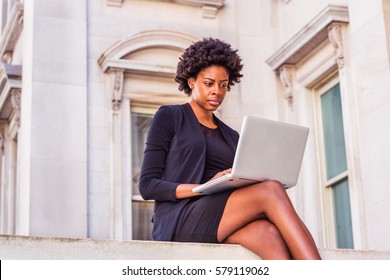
[44, 248]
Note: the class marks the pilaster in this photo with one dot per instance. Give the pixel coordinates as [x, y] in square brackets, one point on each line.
[120, 160]
[53, 120]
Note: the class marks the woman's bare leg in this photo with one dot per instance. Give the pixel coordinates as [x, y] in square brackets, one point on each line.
[270, 200]
[262, 238]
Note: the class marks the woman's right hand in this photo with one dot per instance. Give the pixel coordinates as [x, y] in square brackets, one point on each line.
[185, 190]
[221, 173]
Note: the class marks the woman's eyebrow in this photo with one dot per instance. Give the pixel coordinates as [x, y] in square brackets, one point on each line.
[226, 80]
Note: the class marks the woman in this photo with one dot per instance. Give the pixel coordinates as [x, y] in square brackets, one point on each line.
[188, 145]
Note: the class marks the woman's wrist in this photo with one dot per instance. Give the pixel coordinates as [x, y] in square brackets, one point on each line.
[185, 191]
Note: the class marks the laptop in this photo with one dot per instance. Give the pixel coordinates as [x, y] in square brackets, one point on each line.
[267, 150]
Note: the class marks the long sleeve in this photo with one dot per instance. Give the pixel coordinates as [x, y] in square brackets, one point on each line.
[152, 185]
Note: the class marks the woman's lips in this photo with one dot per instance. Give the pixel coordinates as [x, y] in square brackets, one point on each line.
[214, 102]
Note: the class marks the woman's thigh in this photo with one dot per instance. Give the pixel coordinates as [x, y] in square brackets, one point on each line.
[246, 205]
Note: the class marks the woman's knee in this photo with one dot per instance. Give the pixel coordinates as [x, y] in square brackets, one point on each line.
[265, 230]
[275, 185]
[274, 189]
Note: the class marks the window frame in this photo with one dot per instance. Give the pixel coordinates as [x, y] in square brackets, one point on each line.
[326, 185]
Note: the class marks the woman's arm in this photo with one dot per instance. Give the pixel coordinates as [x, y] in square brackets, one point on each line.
[151, 183]
[185, 191]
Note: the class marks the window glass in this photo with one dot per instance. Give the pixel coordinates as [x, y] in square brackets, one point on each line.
[142, 211]
[342, 213]
[336, 165]
[333, 132]
[139, 128]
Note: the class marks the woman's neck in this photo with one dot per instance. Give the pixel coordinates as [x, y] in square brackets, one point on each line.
[204, 117]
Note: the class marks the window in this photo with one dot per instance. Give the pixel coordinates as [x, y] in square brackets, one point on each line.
[335, 169]
[142, 211]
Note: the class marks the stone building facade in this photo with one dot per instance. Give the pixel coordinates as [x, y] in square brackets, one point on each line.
[80, 81]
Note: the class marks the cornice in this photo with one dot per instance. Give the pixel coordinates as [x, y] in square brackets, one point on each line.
[210, 7]
[116, 3]
[201, 3]
[138, 67]
[310, 36]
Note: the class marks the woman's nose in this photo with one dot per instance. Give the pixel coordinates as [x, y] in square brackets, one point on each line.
[217, 89]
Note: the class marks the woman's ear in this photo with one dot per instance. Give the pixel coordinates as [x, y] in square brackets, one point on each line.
[191, 82]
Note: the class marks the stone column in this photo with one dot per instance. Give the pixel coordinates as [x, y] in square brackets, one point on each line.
[120, 210]
[53, 124]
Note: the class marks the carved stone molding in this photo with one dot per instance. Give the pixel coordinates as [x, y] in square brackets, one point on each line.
[112, 58]
[210, 7]
[336, 38]
[3, 125]
[209, 11]
[118, 78]
[309, 37]
[116, 3]
[286, 75]
[15, 101]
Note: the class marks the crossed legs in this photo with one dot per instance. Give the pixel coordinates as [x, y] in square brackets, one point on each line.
[262, 218]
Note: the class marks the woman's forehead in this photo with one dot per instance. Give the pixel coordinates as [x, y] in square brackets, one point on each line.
[214, 72]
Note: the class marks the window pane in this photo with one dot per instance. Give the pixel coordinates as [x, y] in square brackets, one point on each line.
[142, 211]
[139, 128]
[142, 216]
[333, 132]
[342, 212]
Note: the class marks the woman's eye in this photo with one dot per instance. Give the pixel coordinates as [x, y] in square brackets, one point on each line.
[224, 85]
[208, 84]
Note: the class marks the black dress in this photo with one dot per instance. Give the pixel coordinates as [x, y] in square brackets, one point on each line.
[199, 220]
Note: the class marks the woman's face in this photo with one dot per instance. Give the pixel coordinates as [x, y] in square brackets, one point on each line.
[210, 87]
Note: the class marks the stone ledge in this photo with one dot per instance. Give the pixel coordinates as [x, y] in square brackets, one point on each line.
[42, 248]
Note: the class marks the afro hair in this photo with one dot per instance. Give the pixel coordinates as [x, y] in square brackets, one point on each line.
[203, 54]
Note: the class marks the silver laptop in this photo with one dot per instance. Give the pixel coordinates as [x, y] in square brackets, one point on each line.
[267, 150]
